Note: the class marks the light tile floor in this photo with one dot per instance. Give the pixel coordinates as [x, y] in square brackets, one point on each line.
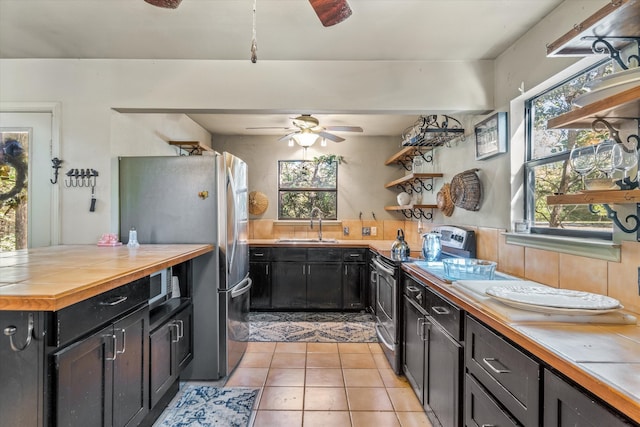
[326, 384]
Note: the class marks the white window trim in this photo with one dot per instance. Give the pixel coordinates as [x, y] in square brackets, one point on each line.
[592, 248]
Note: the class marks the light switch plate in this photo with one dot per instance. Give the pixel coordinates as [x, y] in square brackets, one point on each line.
[345, 231]
[374, 231]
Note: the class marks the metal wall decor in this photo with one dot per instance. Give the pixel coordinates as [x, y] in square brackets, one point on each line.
[491, 136]
[432, 131]
[83, 178]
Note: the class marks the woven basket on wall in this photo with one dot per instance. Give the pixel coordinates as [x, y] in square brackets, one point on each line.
[466, 190]
[258, 203]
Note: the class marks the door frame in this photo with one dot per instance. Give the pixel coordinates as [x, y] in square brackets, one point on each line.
[55, 108]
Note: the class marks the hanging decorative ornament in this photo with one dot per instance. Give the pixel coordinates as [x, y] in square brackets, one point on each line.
[254, 42]
[258, 203]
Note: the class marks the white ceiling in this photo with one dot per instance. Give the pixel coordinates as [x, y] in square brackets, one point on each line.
[378, 30]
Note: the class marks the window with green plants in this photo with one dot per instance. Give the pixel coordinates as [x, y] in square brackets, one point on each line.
[307, 184]
[548, 166]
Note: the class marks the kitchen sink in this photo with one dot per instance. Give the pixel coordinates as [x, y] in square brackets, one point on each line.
[305, 240]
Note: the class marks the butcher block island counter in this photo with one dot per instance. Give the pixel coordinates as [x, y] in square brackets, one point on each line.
[52, 278]
[81, 345]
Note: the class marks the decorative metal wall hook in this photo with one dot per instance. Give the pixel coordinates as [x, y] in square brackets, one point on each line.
[56, 166]
[10, 331]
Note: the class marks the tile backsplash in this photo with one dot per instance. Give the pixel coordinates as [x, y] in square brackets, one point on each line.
[616, 279]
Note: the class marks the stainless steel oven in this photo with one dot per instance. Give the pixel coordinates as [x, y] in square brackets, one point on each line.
[387, 310]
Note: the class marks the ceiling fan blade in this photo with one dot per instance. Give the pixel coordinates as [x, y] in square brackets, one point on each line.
[331, 12]
[270, 127]
[345, 128]
[167, 4]
[330, 136]
[287, 136]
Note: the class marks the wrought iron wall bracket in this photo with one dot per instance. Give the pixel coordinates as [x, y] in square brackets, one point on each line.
[602, 44]
[613, 216]
[407, 160]
[417, 185]
[418, 213]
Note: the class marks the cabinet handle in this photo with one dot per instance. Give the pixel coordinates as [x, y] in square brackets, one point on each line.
[303, 269]
[309, 269]
[180, 329]
[10, 331]
[267, 269]
[440, 310]
[488, 425]
[345, 270]
[177, 334]
[489, 362]
[354, 255]
[114, 301]
[258, 254]
[124, 342]
[115, 353]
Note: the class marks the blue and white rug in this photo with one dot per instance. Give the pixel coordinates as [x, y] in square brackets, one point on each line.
[312, 327]
[210, 406]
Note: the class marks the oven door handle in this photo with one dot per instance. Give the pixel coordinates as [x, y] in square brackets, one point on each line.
[383, 268]
[382, 338]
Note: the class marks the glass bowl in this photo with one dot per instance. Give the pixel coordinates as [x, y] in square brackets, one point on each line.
[468, 269]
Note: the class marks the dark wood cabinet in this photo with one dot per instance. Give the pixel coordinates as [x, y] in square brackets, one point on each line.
[326, 278]
[354, 279]
[21, 370]
[432, 354]
[260, 273]
[565, 405]
[288, 285]
[170, 348]
[102, 380]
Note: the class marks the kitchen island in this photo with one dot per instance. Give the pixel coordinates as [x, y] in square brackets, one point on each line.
[80, 345]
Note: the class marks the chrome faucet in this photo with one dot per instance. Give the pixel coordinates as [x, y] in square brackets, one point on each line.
[319, 212]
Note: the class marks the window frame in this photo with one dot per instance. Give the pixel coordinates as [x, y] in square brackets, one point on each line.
[529, 165]
[281, 190]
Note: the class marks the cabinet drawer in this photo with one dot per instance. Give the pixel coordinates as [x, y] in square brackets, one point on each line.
[511, 376]
[354, 255]
[259, 254]
[480, 409]
[85, 316]
[324, 254]
[446, 314]
[289, 254]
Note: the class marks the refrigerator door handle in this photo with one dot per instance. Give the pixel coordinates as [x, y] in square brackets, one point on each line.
[242, 289]
[235, 222]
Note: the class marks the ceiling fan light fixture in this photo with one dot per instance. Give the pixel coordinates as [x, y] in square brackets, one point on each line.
[323, 143]
[305, 138]
[167, 4]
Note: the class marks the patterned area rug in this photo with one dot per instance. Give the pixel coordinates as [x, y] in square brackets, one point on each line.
[312, 327]
[210, 406]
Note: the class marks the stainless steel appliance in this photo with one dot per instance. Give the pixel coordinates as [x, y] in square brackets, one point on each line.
[198, 199]
[455, 241]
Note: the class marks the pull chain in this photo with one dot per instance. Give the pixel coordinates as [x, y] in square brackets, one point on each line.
[254, 42]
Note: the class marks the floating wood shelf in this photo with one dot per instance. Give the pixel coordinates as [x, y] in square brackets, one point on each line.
[192, 147]
[414, 211]
[621, 106]
[402, 155]
[615, 19]
[596, 197]
[411, 178]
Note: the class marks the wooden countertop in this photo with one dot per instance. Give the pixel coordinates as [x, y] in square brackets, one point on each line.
[51, 278]
[602, 358]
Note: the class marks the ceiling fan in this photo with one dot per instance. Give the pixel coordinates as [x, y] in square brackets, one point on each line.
[330, 12]
[307, 130]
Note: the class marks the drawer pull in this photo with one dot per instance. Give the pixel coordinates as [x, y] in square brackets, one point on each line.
[114, 301]
[258, 254]
[354, 255]
[488, 425]
[440, 310]
[180, 329]
[174, 337]
[489, 362]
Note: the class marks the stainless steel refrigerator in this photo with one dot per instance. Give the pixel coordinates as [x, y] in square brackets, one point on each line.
[198, 199]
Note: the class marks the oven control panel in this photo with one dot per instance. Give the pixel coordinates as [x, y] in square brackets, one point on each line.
[456, 237]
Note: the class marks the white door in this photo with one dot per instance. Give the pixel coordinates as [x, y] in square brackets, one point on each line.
[34, 130]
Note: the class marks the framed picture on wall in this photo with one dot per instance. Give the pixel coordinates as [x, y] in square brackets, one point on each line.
[491, 136]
